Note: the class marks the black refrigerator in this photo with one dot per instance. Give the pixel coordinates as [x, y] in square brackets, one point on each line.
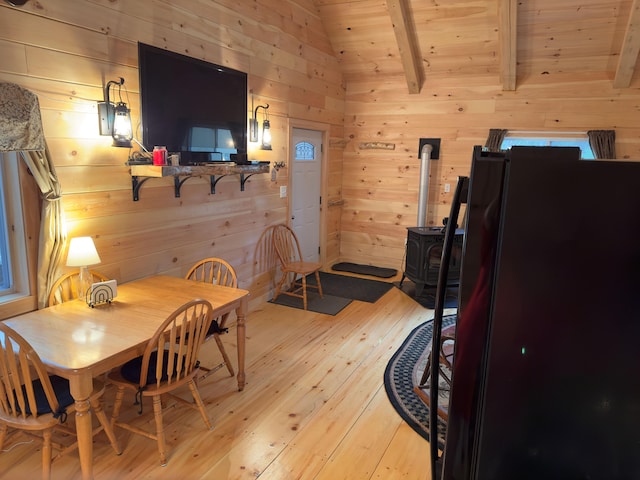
[546, 379]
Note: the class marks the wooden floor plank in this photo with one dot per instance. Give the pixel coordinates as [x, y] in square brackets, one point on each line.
[405, 458]
[363, 446]
[314, 407]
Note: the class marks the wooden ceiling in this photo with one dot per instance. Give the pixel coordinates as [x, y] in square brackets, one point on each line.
[516, 41]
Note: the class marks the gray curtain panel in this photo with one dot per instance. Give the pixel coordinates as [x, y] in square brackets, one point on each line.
[603, 143]
[494, 140]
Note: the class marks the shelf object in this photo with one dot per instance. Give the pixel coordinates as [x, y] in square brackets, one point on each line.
[141, 173]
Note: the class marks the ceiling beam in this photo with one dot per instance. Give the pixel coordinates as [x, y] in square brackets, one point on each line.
[508, 17]
[407, 44]
[630, 48]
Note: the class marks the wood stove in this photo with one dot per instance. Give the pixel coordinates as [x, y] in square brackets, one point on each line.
[423, 254]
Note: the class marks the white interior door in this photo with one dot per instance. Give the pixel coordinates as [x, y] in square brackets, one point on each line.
[305, 197]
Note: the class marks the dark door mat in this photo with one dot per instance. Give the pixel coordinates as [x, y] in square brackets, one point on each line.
[354, 288]
[328, 304]
[364, 269]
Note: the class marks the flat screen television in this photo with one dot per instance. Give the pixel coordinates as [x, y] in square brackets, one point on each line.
[195, 108]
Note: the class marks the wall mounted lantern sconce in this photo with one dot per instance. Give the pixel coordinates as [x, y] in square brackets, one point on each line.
[115, 119]
[266, 128]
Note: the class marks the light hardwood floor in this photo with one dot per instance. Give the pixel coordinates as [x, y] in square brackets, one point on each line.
[314, 407]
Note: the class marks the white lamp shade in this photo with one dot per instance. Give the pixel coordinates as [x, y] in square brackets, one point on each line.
[82, 252]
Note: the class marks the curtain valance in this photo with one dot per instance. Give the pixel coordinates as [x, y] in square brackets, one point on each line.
[20, 122]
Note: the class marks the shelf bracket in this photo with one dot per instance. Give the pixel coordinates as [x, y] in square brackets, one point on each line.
[177, 184]
[244, 178]
[136, 184]
[181, 173]
[214, 181]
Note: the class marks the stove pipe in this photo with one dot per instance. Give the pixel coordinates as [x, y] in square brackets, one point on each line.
[425, 160]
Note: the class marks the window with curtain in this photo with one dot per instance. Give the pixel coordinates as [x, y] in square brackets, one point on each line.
[21, 135]
[13, 253]
[549, 139]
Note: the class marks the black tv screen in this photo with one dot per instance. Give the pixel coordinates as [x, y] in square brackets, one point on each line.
[195, 108]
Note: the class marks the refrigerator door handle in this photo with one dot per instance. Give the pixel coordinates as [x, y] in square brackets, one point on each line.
[459, 197]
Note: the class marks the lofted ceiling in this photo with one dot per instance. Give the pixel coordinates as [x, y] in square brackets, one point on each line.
[514, 41]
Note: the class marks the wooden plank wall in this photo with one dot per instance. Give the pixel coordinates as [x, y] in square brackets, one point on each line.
[461, 99]
[65, 52]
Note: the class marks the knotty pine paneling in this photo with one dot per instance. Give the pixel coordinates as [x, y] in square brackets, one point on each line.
[460, 115]
[334, 62]
[13, 54]
[66, 55]
[566, 58]
[38, 30]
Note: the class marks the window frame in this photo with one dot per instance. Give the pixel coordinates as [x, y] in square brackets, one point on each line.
[577, 139]
[22, 199]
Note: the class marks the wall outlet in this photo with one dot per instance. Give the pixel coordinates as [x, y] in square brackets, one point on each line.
[447, 187]
[283, 191]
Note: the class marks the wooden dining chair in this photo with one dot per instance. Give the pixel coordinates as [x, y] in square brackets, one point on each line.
[36, 403]
[218, 272]
[169, 362]
[289, 254]
[66, 287]
[445, 363]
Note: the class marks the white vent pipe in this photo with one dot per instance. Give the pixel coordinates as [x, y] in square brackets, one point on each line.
[425, 160]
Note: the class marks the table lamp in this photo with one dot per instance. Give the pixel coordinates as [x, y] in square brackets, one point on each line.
[82, 253]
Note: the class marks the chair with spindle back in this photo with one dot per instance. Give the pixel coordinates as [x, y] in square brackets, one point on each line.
[218, 272]
[169, 362]
[445, 359]
[36, 403]
[289, 254]
[66, 287]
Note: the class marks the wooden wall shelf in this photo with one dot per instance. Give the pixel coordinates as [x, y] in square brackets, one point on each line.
[141, 173]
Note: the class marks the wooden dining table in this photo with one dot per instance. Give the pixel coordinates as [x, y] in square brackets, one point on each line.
[78, 342]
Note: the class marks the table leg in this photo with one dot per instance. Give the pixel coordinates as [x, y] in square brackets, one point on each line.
[81, 388]
[240, 327]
